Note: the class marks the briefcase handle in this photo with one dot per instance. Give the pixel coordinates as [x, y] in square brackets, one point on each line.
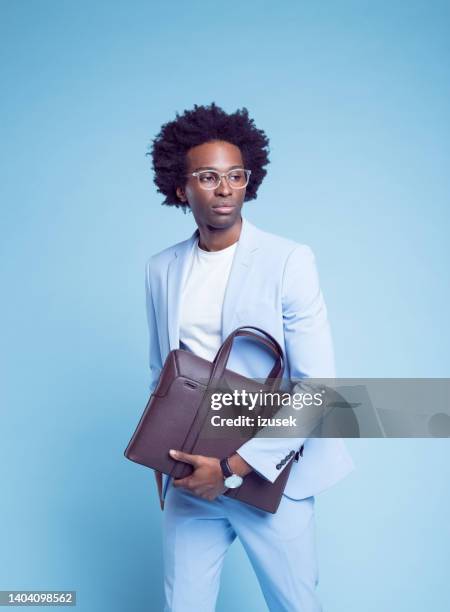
[221, 358]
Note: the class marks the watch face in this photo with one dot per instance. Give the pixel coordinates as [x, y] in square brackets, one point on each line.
[233, 482]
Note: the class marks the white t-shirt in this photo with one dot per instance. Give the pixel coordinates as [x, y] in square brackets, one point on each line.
[202, 300]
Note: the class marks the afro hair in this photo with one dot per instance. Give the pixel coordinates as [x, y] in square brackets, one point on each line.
[197, 126]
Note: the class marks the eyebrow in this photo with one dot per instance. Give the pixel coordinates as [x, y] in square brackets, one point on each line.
[215, 169]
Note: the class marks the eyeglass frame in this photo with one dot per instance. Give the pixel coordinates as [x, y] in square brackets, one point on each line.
[221, 176]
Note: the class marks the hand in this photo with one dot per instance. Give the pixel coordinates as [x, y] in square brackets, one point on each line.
[206, 481]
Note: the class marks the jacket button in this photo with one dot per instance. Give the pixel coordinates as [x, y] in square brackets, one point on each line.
[292, 453]
[278, 466]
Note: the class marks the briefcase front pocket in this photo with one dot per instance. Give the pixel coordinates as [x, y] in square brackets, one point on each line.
[164, 425]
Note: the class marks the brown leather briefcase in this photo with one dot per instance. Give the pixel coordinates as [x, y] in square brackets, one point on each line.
[177, 413]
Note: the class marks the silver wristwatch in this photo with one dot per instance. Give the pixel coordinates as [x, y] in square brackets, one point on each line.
[230, 480]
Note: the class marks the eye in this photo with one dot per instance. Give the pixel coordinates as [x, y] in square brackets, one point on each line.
[236, 176]
[207, 177]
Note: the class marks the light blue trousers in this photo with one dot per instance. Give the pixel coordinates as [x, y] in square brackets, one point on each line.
[281, 548]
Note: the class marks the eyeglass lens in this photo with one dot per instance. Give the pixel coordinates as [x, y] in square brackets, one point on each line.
[209, 179]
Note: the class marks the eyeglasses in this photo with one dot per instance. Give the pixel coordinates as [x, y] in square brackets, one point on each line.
[210, 179]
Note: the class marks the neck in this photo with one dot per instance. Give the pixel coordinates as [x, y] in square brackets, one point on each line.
[213, 239]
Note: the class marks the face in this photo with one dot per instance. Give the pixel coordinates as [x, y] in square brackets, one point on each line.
[218, 208]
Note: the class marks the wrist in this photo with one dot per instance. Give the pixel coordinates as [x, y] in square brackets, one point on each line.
[238, 465]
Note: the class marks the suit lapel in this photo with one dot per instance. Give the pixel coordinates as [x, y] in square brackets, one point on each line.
[175, 275]
[240, 269]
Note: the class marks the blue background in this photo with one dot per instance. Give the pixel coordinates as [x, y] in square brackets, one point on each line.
[355, 99]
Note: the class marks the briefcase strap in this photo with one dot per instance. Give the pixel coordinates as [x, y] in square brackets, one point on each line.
[220, 360]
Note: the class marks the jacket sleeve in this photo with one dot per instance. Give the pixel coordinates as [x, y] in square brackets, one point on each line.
[308, 351]
[154, 353]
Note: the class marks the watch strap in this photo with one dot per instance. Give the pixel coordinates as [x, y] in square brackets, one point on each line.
[225, 467]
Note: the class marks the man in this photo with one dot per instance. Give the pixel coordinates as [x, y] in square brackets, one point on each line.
[229, 274]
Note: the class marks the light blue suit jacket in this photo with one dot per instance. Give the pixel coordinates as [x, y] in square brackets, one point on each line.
[274, 285]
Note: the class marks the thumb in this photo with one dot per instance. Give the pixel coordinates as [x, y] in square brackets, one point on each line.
[185, 457]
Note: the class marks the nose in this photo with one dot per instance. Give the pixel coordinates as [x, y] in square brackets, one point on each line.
[223, 187]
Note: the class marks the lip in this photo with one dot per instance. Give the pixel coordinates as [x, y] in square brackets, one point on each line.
[224, 209]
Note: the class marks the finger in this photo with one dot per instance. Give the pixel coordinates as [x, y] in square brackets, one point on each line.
[185, 457]
[183, 482]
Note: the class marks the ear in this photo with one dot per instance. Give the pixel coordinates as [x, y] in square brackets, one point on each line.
[181, 194]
